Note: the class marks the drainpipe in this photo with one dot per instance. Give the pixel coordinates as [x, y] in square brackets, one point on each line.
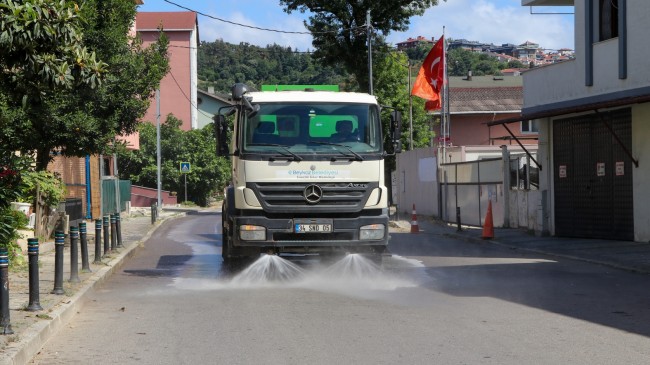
[506, 186]
[88, 195]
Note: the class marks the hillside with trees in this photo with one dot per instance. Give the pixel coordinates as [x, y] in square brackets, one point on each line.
[222, 64]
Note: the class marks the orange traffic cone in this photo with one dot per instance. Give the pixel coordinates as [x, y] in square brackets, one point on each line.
[414, 222]
[488, 226]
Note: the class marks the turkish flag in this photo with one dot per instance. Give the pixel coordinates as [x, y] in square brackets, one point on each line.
[429, 82]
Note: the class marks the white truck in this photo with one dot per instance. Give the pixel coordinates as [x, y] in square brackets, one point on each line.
[307, 173]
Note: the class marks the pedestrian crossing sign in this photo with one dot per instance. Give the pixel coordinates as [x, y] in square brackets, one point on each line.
[185, 167]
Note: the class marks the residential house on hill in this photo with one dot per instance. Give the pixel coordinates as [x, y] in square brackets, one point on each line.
[414, 42]
[472, 46]
[527, 52]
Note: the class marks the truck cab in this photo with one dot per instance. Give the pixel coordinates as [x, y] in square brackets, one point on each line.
[307, 174]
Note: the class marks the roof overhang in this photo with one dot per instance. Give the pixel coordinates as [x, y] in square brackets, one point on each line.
[547, 2]
[606, 101]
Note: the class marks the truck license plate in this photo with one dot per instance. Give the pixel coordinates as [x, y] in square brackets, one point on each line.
[312, 226]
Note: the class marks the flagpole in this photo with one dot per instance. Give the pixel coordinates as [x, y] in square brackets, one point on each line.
[443, 104]
[410, 107]
[446, 94]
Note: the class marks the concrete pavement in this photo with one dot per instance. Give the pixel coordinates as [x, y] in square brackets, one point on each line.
[625, 255]
[32, 329]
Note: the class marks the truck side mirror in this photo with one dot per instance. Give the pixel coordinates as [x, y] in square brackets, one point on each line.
[396, 130]
[221, 134]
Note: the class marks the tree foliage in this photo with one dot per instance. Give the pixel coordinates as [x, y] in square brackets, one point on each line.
[392, 89]
[339, 29]
[209, 173]
[71, 111]
[41, 49]
[222, 64]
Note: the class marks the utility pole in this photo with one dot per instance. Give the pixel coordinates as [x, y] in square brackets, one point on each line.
[158, 153]
[117, 181]
[410, 107]
[369, 31]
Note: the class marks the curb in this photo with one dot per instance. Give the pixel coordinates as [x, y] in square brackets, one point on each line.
[33, 338]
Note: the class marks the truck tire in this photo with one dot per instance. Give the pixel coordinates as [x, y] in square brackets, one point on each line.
[226, 238]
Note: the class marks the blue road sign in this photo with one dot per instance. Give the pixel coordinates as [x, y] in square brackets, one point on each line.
[185, 167]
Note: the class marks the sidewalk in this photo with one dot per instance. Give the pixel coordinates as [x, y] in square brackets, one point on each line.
[626, 255]
[32, 329]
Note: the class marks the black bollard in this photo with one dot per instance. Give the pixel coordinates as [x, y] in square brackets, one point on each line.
[32, 250]
[74, 255]
[98, 241]
[107, 242]
[154, 212]
[113, 234]
[458, 219]
[118, 228]
[5, 321]
[83, 239]
[59, 242]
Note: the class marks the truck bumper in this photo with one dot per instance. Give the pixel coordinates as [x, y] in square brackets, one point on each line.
[346, 234]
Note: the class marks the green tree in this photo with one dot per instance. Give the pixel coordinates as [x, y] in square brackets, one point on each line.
[515, 64]
[392, 89]
[221, 64]
[41, 53]
[419, 52]
[42, 50]
[338, 28]
[10, 186]
[459, 62]
[83, 116]
[209, 173]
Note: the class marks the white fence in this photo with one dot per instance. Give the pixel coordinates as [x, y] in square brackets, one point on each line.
[462, 190]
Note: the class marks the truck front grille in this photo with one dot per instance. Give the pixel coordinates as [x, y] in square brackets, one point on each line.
[336, 197]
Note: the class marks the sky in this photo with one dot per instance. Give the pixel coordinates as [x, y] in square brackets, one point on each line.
[487, 21]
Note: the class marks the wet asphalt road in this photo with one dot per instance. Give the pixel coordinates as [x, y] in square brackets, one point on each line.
[437, 300]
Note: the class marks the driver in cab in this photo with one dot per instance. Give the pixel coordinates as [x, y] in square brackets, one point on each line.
[343, 132]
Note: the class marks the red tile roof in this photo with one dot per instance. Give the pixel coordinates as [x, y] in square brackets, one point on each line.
[179, 20]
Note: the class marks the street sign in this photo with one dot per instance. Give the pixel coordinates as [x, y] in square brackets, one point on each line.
[185, 167]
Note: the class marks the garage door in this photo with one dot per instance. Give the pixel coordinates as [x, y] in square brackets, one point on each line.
[593, 176]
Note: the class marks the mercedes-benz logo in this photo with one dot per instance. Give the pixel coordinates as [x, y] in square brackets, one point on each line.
[313, 194]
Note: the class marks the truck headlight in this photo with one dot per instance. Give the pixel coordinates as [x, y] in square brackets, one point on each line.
[372, 232]
[252, 233]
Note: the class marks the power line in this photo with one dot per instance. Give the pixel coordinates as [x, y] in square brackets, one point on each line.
[260, 50]
[254, 27]
[186, 97]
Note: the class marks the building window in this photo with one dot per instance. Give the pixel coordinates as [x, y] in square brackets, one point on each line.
[608, 19]
[529, 126]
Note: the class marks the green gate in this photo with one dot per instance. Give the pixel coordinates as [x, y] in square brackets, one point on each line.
[109, 196]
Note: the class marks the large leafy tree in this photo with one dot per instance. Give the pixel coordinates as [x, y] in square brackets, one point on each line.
[42, 50]
[72, 103]
[339, 32]
[209, 173]
[41, 53]
[392, 89]
[221, 65]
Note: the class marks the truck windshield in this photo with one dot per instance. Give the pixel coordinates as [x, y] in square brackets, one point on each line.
[313, 128]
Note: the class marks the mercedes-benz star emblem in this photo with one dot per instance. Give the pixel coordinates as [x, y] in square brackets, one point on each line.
[313, 194]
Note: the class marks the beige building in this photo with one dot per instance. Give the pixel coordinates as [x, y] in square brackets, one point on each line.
[593, 133]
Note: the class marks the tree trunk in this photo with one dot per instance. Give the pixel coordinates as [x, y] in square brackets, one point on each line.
[42, 159]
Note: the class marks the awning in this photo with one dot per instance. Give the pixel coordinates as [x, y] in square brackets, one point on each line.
[554, 112]
[592, 106]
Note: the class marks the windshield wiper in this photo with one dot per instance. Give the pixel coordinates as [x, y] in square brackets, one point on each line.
[357, 157]
[284, 148]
